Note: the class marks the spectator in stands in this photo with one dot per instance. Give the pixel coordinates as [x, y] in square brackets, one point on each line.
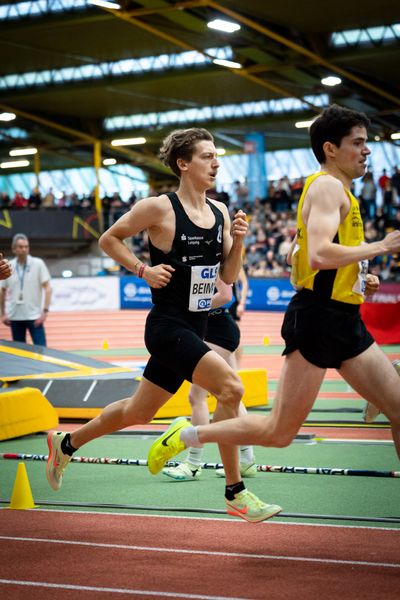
[29, 294]
[5, 201]
[383, 179]
[241, 194]
[63, 201]
[19, 201]
[35, 199]
[396, 183]
[368, 196]
[49, 199]
[388, 199]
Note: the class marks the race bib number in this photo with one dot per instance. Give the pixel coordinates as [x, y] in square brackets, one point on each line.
[361, 282]
[202, 287]
[294, 274]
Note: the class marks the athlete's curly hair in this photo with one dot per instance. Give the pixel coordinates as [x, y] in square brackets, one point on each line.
[333, 124]
[180, 144]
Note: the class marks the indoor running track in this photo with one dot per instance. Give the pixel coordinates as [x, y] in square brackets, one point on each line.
[86, 556]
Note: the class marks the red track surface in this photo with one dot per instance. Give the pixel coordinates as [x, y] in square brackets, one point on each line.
[124, 556]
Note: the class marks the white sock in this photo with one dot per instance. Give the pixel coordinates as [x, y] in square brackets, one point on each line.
[195, 456]
[246, 455]
[190, 438]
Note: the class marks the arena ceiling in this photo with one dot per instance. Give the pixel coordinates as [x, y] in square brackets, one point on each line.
[64, 73]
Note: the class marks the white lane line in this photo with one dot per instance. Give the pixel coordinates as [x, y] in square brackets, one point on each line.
[107, 590]
[334, 561]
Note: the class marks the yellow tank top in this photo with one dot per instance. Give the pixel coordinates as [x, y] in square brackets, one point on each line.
[345, 284]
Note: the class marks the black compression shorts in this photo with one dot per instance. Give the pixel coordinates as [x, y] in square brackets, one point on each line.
[325, 332]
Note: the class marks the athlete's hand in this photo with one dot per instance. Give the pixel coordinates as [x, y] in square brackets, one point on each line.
[391, 241]
[372, 284]
[239, 226]
[158, 276]
[5, 268]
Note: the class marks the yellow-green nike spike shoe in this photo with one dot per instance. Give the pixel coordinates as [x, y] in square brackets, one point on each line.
[169, 444]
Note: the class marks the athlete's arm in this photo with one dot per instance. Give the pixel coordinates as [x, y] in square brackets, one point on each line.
[325, 206]
[372, 284]
[5, 268]
[148, 214]
[233, 246]
[242, 279]
[223, 295]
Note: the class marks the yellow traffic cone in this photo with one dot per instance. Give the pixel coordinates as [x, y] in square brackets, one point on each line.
[21, 498]
[105, 345]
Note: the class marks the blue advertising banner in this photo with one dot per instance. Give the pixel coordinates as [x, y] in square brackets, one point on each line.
[134, 293]
[269, 294]
[264, 294]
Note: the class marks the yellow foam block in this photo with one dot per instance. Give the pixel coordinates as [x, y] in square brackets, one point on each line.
[255, 394]
[25, 411]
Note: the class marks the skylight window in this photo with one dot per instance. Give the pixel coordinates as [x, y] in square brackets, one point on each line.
[218, 113]
[368, 36]
[116, 68]
[34, 8]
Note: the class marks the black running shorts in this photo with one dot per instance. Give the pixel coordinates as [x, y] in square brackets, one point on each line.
[222, 330]
[325, 332]
[174, 339]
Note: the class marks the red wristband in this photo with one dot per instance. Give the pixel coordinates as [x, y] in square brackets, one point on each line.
[141, 270]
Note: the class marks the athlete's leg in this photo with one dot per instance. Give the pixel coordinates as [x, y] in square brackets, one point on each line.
[297, 390]
[139, 408]
[215, 375]
[373, 376]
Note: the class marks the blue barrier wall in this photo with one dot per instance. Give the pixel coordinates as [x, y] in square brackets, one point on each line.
[264, 294]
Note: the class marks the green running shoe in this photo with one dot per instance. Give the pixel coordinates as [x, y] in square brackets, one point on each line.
[186, 471]
[246, 470]
[57, 460]
[166, 446]
[250, 508]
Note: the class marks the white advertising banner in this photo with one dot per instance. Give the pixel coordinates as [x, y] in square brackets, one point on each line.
[85, 293]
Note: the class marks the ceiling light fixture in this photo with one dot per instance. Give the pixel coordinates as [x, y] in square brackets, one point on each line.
[222, 25]
[128, 141]
[227, 63]
[105, 4]
[331, 81]
[23, 151]
[220, 151]
[12, 164]
[395, 136]
[107, 162]
[304, 124]
[6, 116]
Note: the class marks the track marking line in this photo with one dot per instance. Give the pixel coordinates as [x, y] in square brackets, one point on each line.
[107, 590]
[334, 561]
[268, 523]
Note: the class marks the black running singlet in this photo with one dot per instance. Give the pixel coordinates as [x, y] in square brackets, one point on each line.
[195, 255]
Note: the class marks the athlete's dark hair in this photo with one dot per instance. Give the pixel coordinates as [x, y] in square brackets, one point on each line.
[333, 125]
[180, 144]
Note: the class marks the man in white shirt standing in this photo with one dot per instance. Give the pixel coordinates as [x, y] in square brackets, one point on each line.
[29, 294]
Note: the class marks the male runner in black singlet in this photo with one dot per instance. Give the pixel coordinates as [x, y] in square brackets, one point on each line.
[191, 241]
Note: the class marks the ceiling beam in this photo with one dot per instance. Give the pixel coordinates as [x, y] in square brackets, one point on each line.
[304, 51]
[140, 159]
[277, 89]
